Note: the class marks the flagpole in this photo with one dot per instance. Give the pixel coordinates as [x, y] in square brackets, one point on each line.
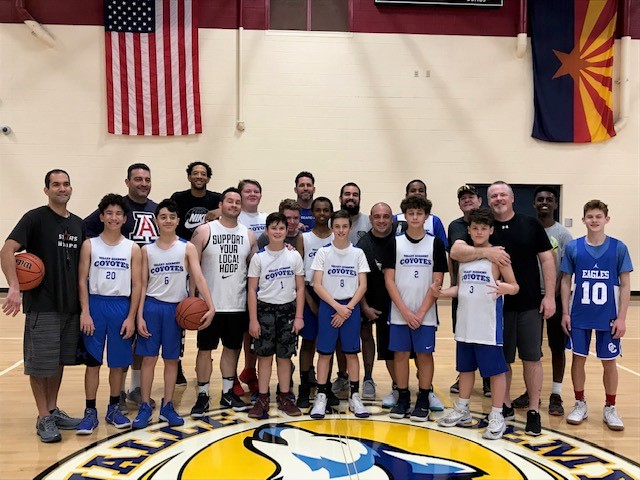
[521, 45]
[37, 30]
[625, 47]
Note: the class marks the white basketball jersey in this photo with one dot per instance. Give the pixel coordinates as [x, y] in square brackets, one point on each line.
[311, 245]
[110, 269]
[256, 222]
[276, 273]
[413, 277]
[224, 265]
[340, 267]
[479, 318]
[167, 272]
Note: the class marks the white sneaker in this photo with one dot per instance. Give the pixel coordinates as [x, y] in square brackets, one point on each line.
[319, 406]
[579, 413]
[341, 387]
[390, 400]
[356, 406]
[435, 404]
[611, 418]
[369, 390]
[496, 426]
[460, 416]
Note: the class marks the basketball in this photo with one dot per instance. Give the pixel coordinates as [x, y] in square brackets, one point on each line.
[30, 270]
[190, 311]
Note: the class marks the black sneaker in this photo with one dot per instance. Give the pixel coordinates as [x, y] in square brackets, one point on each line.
[332, 399]
[455, 388]
[508, 412]
[486, 387]
[555, 405]
[181, 381]
[403, 407]
[290, 394]
[522, 401]
[534, 426]
[233, 401]
[420, 412]
[201, 407]
[304, 391]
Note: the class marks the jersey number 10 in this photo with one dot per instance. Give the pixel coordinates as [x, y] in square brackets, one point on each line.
[596, 293]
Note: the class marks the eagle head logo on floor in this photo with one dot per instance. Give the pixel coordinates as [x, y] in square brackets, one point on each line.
[299, 453]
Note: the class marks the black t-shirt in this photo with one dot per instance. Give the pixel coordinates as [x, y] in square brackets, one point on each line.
[192, 210]
[374, 249]
[439, 254]
[457, 231]
[56, 240]
[523, 238]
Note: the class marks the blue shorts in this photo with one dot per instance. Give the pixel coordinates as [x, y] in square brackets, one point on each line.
[405, 339]
[310, 329]
[489, 359]
[349, 332]
[165, 331]
[607, 348]
[108, 314]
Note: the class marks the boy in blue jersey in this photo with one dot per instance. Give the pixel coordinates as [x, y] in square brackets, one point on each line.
[166, 264]
[109, 291]
[601, 268]
[478, 331]
[275, 287]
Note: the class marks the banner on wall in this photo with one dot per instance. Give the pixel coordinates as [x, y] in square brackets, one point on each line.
[470, 3]
[572, 45]
[151, 49]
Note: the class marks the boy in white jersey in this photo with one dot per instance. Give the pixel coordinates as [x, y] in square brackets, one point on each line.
[308, 244]
[413, 263]
[276, 302]
[601, 268]
[166, 265]
[340, 280]
[479, 326]
[251, 194]
[109, 290]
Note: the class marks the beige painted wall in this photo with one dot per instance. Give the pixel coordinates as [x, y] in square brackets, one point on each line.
[346, 107]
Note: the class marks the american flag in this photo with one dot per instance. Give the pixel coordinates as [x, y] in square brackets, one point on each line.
[151, 49]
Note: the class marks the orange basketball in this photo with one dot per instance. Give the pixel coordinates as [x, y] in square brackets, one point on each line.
[190, 311]
[30, 270]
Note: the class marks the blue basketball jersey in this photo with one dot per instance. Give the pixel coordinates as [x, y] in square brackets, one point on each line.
[596, 294]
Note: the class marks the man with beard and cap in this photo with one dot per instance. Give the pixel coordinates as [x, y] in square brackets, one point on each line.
[195, 203]
[140, 227]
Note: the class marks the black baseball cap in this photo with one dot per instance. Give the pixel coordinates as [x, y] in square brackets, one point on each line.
[467, 189]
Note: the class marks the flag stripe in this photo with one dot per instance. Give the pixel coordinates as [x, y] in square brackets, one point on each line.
[152, 67]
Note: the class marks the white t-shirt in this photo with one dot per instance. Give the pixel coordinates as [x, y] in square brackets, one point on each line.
[110, 269]
[276, 271]
[167, 272]
[311, 245]
[256, 222]
[340, 267]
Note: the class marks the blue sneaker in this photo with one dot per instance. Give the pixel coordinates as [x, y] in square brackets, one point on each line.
[169, 414]
[88, 423]
[116, 418]
[144, 414]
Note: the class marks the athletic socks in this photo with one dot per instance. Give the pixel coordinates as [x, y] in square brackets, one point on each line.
[579, 395]
[135, 380]
[112, 400]
[355, 387]
[556, 388]
[92, 403]
[610, 400]
[203, 387]
[304, 377]
[227, 384]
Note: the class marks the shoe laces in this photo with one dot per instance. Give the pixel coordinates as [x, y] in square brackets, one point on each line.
[49, 422]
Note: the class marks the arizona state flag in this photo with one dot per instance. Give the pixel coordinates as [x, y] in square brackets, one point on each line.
[572, 45]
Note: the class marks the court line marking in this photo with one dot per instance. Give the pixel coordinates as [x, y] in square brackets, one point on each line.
[633, 372]
[10, 338]
[15, 365]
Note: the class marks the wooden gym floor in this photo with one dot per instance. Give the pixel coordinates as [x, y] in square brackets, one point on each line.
[23, 456]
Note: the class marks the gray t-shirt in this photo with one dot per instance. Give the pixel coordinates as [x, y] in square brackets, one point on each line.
[360, 225]
[559, 236]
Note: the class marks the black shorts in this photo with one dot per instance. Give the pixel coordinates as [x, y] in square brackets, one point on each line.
[276, 337]
[524, 331]
[555, 335]
[382, 336]
[229, 327]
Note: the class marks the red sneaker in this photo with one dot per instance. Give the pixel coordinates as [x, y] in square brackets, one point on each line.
[237, 388]
[250, 377]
